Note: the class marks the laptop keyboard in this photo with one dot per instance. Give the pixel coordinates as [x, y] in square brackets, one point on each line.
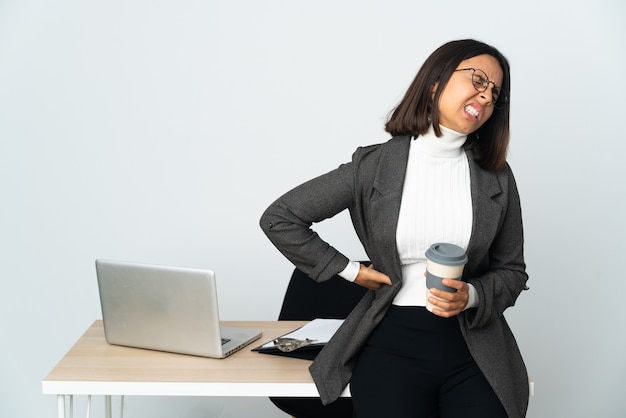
[225, 340]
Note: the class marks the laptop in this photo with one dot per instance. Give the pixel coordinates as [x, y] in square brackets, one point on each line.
[165, 308]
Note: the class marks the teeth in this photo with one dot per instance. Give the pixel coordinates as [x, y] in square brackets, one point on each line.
[469, 109]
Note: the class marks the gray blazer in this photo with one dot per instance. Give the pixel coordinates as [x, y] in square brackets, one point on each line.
[370, 187]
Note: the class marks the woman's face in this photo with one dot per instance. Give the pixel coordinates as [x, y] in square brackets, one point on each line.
[462, 107]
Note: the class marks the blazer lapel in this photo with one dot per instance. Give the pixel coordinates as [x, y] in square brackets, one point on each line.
[486, 212]
[386, 198]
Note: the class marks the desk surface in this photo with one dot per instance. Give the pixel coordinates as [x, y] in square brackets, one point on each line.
[94, 367]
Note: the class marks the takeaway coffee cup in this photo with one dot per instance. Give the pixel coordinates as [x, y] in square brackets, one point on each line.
[443, 261]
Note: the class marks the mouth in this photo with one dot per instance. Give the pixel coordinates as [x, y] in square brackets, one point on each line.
[472, 111]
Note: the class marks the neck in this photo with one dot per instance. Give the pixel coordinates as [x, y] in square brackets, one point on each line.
[448, 145]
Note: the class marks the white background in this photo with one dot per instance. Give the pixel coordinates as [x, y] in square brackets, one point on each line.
[158, 131]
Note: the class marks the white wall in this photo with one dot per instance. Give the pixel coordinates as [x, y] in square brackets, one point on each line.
[158, 131]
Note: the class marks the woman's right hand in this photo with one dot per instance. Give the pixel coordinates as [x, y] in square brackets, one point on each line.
[370, 278]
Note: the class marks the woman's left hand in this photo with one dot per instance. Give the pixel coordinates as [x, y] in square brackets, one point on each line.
[449, 304]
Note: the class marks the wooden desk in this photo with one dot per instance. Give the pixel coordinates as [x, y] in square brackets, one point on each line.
[94, 367]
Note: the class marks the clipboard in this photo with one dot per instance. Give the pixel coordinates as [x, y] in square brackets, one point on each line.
[318, 331]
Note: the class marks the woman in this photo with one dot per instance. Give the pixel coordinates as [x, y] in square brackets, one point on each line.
[443, 177]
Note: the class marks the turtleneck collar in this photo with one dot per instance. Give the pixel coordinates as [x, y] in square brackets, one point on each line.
[448, 145]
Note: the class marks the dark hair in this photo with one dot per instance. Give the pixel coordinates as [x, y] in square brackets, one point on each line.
[415, 113]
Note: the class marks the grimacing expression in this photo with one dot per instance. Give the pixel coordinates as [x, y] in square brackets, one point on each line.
[462, 107]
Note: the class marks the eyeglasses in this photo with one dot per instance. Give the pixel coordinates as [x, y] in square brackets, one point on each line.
[481, 82]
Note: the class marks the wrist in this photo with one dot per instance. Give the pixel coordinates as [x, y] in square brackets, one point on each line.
[472, 300]
[351, 271]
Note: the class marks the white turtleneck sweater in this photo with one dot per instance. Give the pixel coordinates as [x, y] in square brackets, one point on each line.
[436, 207]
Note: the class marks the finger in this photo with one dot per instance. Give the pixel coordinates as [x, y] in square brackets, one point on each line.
[442, 293]
[379, 277]
[448, 314]
[374, 285]
[384, 279]
[448, 301]
[442, 304]
[445, 309]
[442, 313]
[368, 281]
[456, 284]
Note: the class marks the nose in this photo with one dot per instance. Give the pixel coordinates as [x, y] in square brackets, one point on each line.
[487, 95]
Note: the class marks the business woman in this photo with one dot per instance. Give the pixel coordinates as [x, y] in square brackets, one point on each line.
[442, 177]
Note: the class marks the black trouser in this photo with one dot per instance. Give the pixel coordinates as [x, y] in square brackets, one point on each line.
[417, 365]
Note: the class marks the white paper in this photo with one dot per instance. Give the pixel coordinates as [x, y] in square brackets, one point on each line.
[320, 330]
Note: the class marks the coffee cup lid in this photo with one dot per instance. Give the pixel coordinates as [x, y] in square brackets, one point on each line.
[447, 254]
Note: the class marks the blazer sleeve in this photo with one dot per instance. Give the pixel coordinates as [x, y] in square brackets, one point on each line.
[287, 222]
[504, 276]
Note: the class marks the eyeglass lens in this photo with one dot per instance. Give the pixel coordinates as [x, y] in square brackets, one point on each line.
[481, 83]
